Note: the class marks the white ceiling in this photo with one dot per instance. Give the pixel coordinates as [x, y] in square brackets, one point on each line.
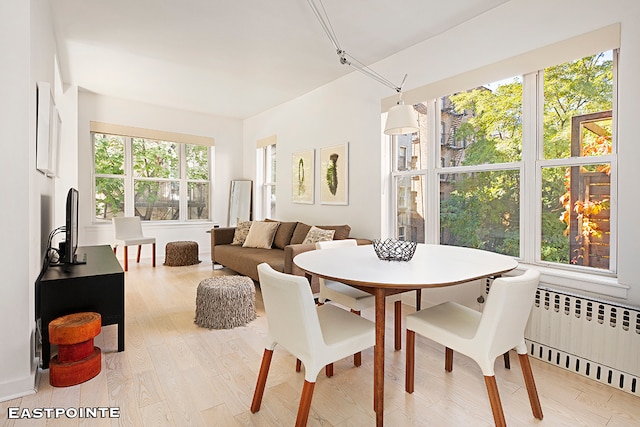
[234, 58]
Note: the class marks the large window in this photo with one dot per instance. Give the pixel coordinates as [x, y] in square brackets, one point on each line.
[155, 180]
[266, 174]
[522, 166]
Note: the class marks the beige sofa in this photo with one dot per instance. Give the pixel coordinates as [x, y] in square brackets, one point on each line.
[287, 243]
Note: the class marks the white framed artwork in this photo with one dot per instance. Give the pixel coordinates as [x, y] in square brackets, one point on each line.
[334, 174]
[303, 177]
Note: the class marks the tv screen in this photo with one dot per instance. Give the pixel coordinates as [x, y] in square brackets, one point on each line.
[71, 228]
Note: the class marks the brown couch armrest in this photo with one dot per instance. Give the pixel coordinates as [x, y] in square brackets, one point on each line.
[221, 236]
[290, 252]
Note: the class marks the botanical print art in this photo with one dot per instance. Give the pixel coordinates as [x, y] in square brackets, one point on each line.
[302, 176]
[334, 163]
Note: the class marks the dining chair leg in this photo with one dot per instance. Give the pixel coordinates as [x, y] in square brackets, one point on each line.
[398, 324]
[531, 385]
[139, 250]
[507, 360]
[153, 255]
[494, 399]
[126, 258]
[448, 359]
[262, 380]
[418, 299]
[298, 365]
[328, 370]
[305, 404]
[410, 364]
[357, 358]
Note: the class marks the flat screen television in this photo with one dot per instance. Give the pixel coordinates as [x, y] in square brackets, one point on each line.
[68, 249]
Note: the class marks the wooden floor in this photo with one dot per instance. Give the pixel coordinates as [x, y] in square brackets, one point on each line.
[174, 373]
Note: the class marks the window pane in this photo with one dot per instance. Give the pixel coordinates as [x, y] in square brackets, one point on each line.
[157, 200]
[575, 215]
[271, 191]
[411, 151]
[155, 159]
[571, 91]
[109, 154]
[197, 162]
[482, 125]
[481, 210]
[271, 166]
[109, 198]
[198, 200]
[410, 208]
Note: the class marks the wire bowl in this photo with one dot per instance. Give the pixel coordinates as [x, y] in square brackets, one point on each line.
[394, 249]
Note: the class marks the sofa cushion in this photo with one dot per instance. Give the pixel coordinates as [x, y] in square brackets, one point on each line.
[299, 233]
[246, 260]
[261, 235]
[342, 231]
[302, 229]
[240, 234]
[316, 234]
[284, 233]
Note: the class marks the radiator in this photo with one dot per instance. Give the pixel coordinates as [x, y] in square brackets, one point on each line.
[594, 338]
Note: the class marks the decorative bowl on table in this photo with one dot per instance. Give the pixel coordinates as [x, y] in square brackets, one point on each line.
[394, 249]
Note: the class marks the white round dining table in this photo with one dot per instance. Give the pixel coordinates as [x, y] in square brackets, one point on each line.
[431, 266]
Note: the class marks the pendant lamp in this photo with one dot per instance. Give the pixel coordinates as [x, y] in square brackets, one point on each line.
[401, 119]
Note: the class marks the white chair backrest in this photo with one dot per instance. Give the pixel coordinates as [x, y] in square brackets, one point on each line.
[506, 312]
[127, 227]
[336, 244]
[291, 312]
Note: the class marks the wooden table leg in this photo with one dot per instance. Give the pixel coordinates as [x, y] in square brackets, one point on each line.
[378, 359]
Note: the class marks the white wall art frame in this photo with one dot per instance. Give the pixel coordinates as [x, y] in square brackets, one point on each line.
[334, 175]
[48, 130]
[303, 177]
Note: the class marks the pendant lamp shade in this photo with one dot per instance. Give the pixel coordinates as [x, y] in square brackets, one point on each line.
[401, 119]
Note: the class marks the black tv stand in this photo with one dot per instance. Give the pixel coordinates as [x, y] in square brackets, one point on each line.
[95, 285]
[75, 261]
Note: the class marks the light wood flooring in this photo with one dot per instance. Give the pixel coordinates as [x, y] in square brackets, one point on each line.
[173, 373]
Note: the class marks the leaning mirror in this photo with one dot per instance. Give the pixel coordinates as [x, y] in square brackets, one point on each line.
[240, 198]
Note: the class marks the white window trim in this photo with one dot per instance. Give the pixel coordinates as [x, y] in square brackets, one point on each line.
[263, 187]
[128, 178]
[574, 278]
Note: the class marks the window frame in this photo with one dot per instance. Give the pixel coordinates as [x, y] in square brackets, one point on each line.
[264, 156]
[531, 165]
[129, 179]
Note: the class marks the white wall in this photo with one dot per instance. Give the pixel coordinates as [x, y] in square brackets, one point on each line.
[349, 109]
[328, 116]
[26, 42]
[228, 164]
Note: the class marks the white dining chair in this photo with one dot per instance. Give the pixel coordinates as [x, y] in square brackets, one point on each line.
[353, 298]
[316, 335]
[481, 336]
[128, 232]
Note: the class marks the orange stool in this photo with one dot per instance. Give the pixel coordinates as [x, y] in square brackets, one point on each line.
[77, 360]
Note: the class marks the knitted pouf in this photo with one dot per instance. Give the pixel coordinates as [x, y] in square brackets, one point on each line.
[224, 302]
[181, 253]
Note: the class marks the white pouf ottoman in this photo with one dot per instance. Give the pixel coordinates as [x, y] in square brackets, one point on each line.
[225, 302]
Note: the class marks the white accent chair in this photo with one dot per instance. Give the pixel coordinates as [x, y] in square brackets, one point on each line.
[481, 336]
[128, 232]
[316, 335]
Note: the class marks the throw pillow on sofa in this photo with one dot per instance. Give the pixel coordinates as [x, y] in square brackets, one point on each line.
[261, 235]
[316, 234]
[240, 233]
[284, 233]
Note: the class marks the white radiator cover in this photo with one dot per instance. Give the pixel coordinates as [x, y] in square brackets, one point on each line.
[594, 338]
